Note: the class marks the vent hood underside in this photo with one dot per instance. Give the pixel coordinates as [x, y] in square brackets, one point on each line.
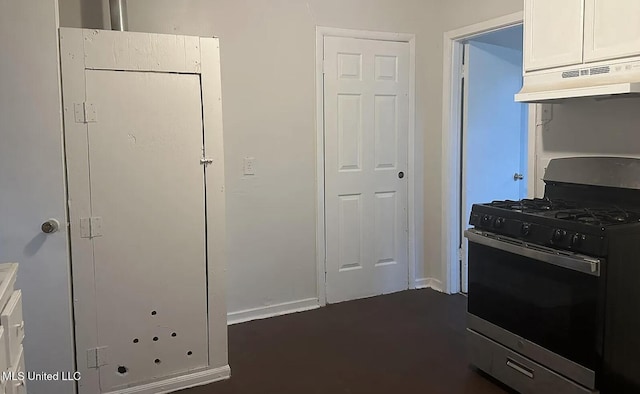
[601, 81]
[541, 96]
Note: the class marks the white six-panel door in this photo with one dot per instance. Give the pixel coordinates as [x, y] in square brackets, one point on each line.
[366, 97]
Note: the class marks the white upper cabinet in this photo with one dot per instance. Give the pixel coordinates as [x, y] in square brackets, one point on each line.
[553, 33]
[611, 29]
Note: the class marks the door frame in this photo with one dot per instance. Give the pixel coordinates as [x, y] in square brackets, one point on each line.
[452, 144]
[416, 172]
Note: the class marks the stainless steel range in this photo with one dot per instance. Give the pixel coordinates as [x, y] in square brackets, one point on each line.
[554, 283]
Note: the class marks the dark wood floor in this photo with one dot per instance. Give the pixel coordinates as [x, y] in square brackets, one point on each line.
[408, 342]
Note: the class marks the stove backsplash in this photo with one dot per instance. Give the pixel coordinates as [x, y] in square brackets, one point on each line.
[588, 127]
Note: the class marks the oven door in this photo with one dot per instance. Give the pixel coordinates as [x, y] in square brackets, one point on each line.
[539, 301]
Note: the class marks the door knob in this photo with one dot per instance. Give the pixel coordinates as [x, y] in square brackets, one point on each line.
[401, 175]
[518, 177]
[50, 226]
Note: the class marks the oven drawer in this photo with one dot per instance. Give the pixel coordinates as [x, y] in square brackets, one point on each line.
[516, 371]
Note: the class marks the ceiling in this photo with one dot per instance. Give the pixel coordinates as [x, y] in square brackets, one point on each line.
[510, 37]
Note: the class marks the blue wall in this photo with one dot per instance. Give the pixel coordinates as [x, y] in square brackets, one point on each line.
[496, 126]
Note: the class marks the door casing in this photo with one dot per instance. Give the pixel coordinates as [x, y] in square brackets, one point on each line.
[452, 144]
[415, 172]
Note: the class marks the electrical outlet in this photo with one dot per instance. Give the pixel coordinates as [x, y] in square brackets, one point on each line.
[249, 168]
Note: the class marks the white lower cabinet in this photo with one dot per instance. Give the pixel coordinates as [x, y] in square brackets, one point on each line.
[3, 363]
[17, 383]
[11, 320]
[12, 369]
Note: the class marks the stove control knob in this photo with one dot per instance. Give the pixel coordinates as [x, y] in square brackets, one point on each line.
[487, 219]
[558, 235]
[499, 223]
[577, 239]
[525, 229]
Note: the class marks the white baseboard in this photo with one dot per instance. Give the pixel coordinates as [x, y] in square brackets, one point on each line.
[272, 310]
[179, 382]
[429, 283]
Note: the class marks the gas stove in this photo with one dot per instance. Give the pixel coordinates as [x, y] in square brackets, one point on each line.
[554, 282]
[563, 224]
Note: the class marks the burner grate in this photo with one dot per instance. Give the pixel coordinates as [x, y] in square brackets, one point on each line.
[534, 205]
[599, 216]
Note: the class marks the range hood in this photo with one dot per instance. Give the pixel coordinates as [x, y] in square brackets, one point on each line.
[597, 81]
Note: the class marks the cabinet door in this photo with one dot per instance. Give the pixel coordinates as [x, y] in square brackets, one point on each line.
[553, 33]
[611, 29]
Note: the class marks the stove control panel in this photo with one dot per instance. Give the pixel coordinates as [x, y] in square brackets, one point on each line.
[558, 235]
[541, 234]
[577, 240]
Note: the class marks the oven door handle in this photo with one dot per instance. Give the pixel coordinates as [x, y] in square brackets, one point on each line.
[572, 261]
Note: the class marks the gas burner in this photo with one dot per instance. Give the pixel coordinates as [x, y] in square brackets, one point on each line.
[599, 216]
[533, 205]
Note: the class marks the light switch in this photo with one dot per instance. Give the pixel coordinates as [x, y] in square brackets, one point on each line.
[249, 168]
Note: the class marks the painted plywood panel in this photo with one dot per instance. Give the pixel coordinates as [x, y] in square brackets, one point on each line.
[147, 186]
[106, 49]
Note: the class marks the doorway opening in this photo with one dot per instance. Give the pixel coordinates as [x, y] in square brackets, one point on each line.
[488, 137]
[494, 127]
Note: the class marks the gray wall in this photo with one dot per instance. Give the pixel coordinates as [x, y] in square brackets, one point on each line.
[268, 83]
[453, 14]
[589, 127]
[32, 186]
[268, 67]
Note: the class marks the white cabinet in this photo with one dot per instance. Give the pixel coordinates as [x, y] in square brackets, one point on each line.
[571, 32]
[553, 33]
[11, 333]
[11, 320]
[17, 384]
[611, 29]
